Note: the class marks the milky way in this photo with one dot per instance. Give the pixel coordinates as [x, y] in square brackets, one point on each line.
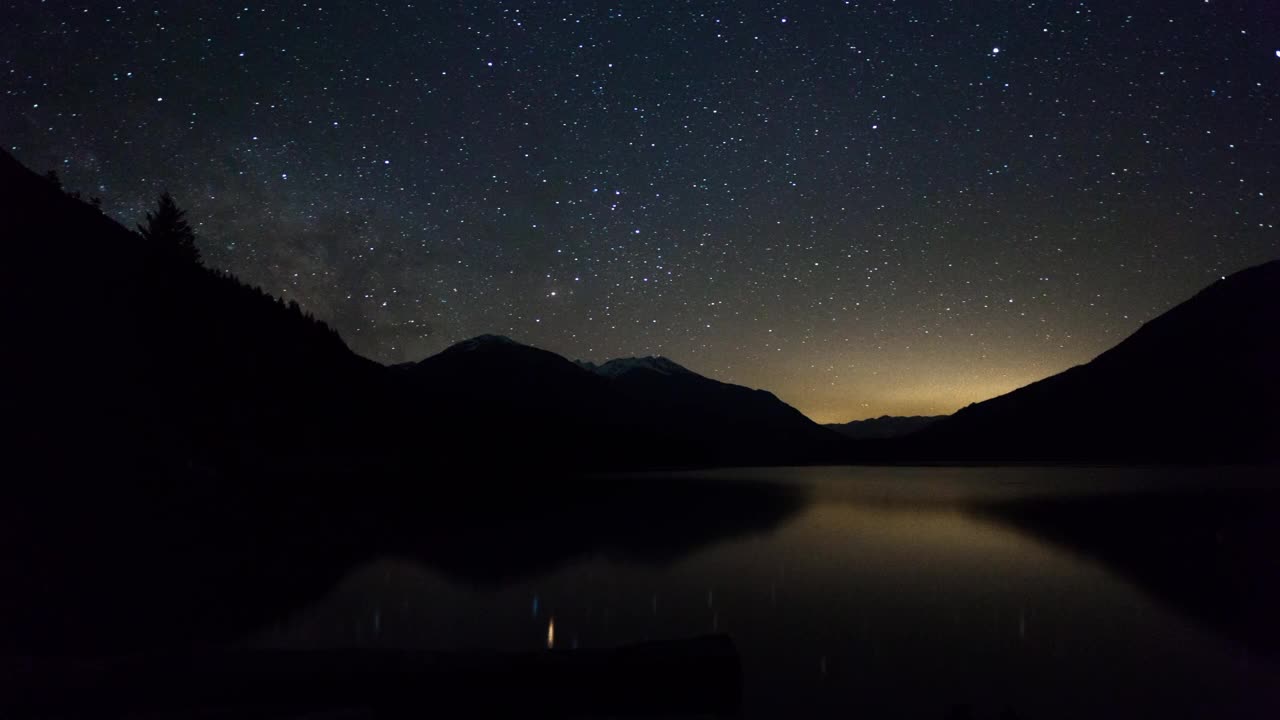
[867, 207]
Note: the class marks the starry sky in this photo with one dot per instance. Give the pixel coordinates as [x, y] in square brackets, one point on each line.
[865, 207]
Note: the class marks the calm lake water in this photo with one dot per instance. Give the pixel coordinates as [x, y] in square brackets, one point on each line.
[871, 592]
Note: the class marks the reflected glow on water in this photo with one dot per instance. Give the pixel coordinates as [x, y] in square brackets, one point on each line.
[904, 599]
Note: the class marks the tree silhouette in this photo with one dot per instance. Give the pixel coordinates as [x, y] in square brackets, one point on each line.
[169, 229]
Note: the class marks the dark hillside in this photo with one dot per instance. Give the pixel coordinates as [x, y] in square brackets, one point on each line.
[1199, 383]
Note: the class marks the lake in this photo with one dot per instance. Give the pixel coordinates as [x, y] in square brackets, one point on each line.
[864, 592]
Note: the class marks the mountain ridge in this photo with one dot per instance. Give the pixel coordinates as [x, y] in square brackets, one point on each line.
[632, 412]
[650, 363]
[884, 427]
[1199, 382]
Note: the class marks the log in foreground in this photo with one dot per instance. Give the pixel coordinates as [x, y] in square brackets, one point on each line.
[697, 677]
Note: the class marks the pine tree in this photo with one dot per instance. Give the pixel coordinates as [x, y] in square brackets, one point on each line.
[169, 229]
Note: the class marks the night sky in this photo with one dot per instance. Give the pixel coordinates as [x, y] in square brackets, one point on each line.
[866, 207]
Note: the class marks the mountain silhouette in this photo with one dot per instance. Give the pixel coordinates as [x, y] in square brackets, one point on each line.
[884, 427]
[1199, 383]
[634, 412]
[719, 421]
[130, 360]
[490, 400]
[622, 366]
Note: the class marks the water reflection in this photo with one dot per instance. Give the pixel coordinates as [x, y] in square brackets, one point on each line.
[956, 590]
[219, 572]
[1209, 554]
[1055, 592]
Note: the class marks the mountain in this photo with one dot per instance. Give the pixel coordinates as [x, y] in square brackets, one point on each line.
[1199, 383]
[621, 366]
[698, 417]
[491, 400]
[884, 427]
[634, 412]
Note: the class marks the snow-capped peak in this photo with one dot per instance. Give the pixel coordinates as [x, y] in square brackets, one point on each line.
[621, 366]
